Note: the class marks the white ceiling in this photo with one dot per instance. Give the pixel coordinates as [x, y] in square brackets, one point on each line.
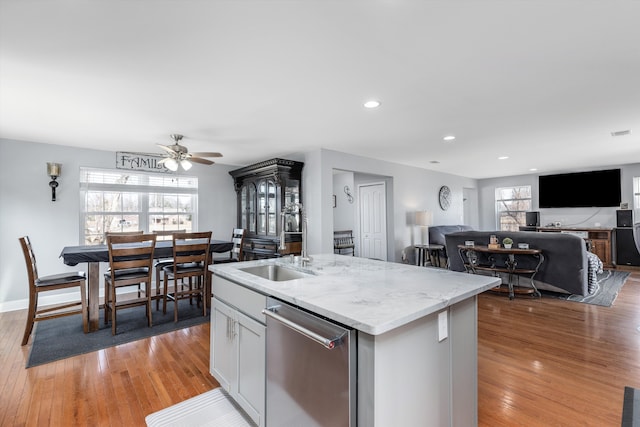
[544, 82]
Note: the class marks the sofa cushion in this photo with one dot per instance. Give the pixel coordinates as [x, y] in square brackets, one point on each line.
[437, 232]
[565, 263]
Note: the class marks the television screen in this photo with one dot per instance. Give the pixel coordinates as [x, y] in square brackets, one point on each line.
[580, 190]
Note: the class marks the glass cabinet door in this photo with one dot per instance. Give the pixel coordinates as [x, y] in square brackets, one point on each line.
[262, 207]
[252, 208]
[272, 209]
[248, 207]
[292, 196]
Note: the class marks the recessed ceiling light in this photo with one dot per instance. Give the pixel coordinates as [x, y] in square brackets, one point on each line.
[372, 104]
[621, 132]
[503, 157]
[533, 169]
[449, 138]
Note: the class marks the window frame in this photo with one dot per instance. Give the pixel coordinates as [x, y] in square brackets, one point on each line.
[142, 184]
[520, 220]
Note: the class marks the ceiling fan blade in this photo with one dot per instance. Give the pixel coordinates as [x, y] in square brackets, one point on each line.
[167, 148]
[161, 162]
[206, 154]
[201, 161]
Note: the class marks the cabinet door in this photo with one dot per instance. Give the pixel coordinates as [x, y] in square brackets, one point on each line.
[251, 367]
[602, 249]
[248, 207]
[223, 363]
[267, 207]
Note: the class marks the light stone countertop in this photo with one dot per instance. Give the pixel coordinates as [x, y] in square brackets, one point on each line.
[368, 295]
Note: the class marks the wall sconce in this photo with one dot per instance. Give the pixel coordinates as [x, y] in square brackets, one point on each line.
[53, 170]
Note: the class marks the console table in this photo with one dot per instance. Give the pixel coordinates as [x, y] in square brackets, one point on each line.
[598, 240]
[502, 260]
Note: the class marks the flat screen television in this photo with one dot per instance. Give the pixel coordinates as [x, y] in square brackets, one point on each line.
[580, 190]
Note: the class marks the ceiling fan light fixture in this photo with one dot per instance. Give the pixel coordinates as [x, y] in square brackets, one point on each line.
[186, 164]
[171, 164]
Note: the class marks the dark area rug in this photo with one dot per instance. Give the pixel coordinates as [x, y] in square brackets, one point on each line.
[609, 284]
[63, 337]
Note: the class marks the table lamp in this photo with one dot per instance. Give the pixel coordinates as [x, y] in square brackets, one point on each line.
[424, 219]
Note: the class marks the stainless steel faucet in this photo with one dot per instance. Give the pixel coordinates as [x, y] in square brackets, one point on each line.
[291, 208]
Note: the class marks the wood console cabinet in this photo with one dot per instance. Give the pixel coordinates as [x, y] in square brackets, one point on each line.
[599, 241]
[263, 189]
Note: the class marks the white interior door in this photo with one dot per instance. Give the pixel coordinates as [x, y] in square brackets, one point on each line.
[373, 221]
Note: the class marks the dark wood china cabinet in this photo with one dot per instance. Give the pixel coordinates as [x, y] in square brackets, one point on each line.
[263, 190]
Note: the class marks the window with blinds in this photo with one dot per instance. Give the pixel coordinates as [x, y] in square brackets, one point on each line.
[512, 204]
[121, 200]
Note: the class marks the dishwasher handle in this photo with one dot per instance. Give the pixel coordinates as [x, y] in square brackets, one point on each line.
[329, 343]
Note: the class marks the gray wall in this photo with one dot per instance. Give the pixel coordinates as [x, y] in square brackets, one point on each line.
[569, 217]
[26, 208]
[409, 190]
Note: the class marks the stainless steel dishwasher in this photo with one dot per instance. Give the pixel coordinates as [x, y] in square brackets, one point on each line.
[311, 369]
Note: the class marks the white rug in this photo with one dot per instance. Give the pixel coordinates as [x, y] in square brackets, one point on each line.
[212, 409]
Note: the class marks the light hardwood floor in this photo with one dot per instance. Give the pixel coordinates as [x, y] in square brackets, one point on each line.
[541, 362]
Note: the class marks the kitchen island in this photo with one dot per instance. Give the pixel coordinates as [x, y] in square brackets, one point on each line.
[416, 334]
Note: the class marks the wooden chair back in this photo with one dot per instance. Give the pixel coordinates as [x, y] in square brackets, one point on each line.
[191, 249]
[39, 284]
[128, 252]
[30, 260]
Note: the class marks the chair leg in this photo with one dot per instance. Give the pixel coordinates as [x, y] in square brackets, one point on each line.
[114, 312]
[175, 303]
[204, 295]
[149, 302]
[33, 306]
[107, 304]
[164, 294]
[158, 284]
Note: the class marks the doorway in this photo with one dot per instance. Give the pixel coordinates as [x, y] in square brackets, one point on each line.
[372, 207]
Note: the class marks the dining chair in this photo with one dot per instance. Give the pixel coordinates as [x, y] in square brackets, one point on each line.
[52, 282]
[161, 263]
[236, 252]
[123, 233]
[190, 261]
[130, 263]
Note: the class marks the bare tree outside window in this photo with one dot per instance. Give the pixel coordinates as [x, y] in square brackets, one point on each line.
[512, 204]
[119, 201]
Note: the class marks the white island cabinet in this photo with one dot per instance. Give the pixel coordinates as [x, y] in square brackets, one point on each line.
[238, 346]
[416, 334]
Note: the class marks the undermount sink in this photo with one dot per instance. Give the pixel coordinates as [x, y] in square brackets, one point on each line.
[274, 273]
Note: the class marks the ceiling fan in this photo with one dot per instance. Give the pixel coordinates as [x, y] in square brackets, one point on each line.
[178, 155]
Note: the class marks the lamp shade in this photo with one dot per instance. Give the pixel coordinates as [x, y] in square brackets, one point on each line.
[424, 218]
[53, 169]
[171, 164]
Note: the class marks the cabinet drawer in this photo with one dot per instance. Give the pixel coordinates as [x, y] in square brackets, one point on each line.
[245, 300]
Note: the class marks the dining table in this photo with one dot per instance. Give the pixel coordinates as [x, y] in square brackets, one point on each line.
[93, 255]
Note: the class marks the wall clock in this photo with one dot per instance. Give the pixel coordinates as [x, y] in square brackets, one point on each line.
[444, 197]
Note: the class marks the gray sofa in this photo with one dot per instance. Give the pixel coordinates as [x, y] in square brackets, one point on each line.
[565, 266]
